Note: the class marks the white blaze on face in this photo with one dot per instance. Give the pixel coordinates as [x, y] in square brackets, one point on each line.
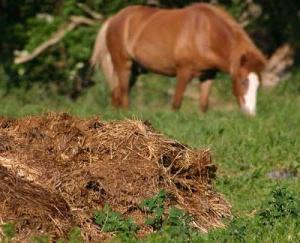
[250, 95]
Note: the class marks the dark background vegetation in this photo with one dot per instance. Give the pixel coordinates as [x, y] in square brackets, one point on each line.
[25, 24]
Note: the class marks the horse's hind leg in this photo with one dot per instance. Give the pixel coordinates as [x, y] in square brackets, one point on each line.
[120, 92]
[183, 78]
[205, 88]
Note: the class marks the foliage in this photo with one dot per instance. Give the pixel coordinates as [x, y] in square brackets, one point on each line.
[64, 64]
[178, 218]
[108, 7]
[155, 206]
[176, 222]
[152, 204]
[280, 22]
[9, 232]
[282, 204]
[280, 209]
[272, 220]
[40, 239]
[111, 221]
[74, 236]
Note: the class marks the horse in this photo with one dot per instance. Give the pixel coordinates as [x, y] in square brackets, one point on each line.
[193, 42]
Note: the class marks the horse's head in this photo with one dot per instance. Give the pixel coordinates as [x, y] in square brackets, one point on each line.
[247, 80]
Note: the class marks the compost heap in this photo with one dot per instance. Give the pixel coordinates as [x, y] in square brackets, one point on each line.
[55, 170]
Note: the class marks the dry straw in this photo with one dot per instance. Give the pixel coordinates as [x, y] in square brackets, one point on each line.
[55, 170]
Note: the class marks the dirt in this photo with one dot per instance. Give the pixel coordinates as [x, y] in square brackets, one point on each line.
[56, 170]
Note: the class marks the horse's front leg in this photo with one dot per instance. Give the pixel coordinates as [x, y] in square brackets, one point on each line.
[183, 78]
[205, 87]
[116, 97]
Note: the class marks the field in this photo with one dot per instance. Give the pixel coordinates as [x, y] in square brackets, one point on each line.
[257, 158]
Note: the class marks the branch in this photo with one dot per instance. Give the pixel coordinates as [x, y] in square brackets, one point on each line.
[22, 57]
[89, 11]
[277, 66]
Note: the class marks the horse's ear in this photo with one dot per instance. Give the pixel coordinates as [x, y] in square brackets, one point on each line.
[252, 60]
[246, 58]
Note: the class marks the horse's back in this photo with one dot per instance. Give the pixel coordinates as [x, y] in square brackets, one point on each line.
[148, 34]
[200, 36]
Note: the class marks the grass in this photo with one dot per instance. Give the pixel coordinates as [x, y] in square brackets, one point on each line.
[245, 149]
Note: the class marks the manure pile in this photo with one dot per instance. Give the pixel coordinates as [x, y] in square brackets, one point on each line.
[55, 170]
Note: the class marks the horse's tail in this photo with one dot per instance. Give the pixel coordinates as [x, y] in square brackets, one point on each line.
[101, 57]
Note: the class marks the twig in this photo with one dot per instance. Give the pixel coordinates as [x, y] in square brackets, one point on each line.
[82, 20]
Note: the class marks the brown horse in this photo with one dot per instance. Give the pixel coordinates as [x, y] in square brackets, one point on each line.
[196, 41]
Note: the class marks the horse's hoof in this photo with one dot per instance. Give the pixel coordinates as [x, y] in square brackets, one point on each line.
[175, 107]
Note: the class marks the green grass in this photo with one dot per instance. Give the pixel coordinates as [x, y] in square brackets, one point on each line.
[244, 149]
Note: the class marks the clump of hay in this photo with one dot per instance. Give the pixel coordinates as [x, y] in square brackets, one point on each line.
[55, 170]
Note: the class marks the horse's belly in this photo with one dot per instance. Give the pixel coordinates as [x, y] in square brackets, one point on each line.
[153, 48]
[156, 61]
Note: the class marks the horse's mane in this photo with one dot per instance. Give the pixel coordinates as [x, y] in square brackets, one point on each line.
[246, 45]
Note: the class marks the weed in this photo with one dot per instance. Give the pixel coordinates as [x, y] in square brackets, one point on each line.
[176, 222]
[238, 229]
[75, 235]
[40, 239]
[178, 218]
[155, 206]
[282, 204]
[9, 232]
[111, 221]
